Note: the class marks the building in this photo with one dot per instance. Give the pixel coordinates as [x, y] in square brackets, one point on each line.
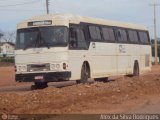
[153, 50]
[7, 48]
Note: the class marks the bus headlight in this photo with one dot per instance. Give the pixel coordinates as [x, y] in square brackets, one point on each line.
[55, 66]
[22, 68]
[19, 68]
[58, 66]
[52, 66]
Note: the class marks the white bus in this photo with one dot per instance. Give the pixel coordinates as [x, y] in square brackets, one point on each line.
[59, 47]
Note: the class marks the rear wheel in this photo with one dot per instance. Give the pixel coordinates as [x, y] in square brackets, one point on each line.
[105, 79]
[136, 69]
[85, 74]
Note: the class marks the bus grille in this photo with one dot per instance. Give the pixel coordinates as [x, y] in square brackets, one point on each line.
[38, 67]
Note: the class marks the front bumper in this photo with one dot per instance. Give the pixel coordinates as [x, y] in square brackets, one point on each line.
[47, 77]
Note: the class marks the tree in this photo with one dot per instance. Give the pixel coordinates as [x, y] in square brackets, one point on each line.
[1, 34]
[9, 36]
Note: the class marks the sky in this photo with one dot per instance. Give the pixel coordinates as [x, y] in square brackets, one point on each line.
[134, 11]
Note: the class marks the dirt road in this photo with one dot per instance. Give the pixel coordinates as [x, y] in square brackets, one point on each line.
[124, 95]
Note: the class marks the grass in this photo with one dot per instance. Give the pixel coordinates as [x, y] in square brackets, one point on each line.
[7, 59]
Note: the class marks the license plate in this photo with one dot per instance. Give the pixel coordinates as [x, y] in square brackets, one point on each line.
[38, 77]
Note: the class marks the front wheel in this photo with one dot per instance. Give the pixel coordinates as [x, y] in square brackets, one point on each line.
[136, 69]
[39, 85]
[85, 74]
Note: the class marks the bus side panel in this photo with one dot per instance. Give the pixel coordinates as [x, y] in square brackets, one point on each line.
[123, 59]
[103, 59]
[76, 59]
[145, 58]
[133, 50]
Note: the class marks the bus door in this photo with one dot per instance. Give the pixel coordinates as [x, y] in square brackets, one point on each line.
[78, 49]
[123, 50]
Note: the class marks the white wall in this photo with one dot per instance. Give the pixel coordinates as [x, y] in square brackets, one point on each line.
[7, 48]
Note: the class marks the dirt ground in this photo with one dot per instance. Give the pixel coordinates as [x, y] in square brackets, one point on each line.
[7, 76]
[122, 95]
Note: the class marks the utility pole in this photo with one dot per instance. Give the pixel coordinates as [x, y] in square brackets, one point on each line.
[47, 6]
[1, 35]
[155, 32]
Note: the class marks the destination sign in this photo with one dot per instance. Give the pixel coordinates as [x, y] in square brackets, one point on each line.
[39, 23]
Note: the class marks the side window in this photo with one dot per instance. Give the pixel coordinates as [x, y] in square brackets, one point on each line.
[21, 42]
[133, 36]
[108, 34]
[73, 37]
[143, 37]
[81, 39]
[94, 33]
[77, 39]
[122, 35]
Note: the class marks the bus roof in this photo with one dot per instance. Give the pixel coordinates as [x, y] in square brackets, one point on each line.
[76, 19]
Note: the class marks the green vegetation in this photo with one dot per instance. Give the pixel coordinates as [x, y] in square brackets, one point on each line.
[7, 59]
[153, 50]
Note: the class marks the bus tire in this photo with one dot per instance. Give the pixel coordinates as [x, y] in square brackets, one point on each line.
[85, 73]
[104, 79]
[136, 69]
[39, 85]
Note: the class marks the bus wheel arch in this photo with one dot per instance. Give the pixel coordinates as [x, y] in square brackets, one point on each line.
[88, 66]
[85, 72]
[136, 70]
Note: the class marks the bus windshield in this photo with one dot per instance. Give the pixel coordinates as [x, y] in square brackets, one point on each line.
[38, 37]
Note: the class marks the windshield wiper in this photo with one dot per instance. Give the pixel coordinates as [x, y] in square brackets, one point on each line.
[38, 42]
[27, 46]
[41, 38]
